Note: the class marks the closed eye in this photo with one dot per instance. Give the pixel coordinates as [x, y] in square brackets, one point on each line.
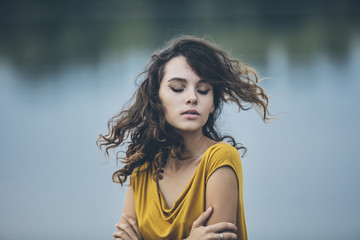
[203, 92]
[177, 89]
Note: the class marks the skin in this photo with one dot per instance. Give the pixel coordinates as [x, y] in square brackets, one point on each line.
[180, 90]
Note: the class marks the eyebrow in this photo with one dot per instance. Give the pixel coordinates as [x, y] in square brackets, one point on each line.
[184, 80]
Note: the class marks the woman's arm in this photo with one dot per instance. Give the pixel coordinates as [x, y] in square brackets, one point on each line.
[127, 228]
[221, 198]
[129, 203]
[222, 195]
[219, 217]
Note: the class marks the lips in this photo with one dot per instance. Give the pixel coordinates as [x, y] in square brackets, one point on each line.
[191, 112]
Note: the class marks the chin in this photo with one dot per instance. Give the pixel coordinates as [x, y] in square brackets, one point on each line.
[190, 127]
[189, 130]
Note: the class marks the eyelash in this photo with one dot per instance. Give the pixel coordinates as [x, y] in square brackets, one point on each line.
[180, 90]
[203, 92]
[176, 90]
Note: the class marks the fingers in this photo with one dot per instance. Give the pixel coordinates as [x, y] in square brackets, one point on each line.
[120, 234]
[222, 227]
[200, 221]
[133, 224]
[226, 236]
[127, 228]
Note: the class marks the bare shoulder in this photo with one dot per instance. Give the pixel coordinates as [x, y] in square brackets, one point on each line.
[222, 195]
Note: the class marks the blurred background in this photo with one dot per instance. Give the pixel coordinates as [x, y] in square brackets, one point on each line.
[67, 66]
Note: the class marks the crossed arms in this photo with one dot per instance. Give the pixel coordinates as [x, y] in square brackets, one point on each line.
[220, 217]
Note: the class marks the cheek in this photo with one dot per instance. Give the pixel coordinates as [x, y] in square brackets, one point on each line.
[211, 105]
[165, 102]
[162, 98]
[167, 106]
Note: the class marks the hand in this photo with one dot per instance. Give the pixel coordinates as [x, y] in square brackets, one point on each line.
[127, 229]
[200, 231]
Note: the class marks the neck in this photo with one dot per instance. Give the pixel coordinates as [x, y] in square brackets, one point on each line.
[195, 146]
[194, 143]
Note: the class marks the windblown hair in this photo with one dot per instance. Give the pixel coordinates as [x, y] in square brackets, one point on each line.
[142, 125]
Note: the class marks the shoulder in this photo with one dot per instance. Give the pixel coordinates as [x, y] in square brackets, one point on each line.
[220, 155]
[223, 152]
[222, 186]
[140, 173]
[225, 149]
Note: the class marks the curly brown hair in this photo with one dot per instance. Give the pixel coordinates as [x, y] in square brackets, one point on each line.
[142, 124]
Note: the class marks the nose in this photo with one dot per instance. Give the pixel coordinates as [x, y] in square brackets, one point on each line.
[192, 99]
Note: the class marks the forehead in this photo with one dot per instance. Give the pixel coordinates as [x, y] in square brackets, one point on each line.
[178, 67]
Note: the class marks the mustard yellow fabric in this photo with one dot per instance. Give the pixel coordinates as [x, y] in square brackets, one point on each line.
[156, 221]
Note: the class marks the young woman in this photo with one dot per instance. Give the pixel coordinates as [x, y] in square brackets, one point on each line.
[185, 180]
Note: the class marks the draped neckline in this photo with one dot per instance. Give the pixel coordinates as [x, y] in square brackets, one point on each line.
[168, 210]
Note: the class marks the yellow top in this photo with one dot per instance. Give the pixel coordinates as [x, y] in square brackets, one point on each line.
[156, 221]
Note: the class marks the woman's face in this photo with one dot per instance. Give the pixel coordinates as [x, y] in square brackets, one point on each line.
[186, 98]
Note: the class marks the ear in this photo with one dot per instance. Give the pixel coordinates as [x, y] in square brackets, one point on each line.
[212, 108]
